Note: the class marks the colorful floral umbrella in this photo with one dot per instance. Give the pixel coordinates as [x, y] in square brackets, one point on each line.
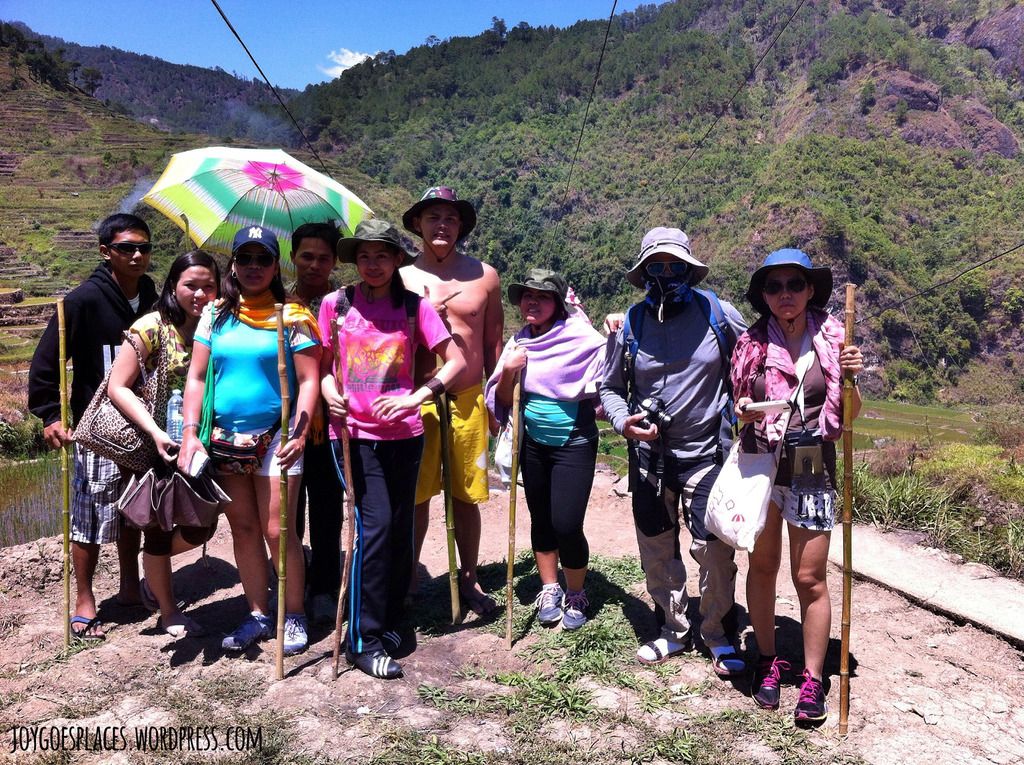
[212, 192]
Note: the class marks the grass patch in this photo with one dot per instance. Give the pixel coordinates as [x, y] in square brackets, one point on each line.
[962, 466]
[405, 746]
[232, 690]
[949, 498]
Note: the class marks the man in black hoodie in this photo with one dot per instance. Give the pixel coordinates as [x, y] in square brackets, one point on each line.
[97, 313]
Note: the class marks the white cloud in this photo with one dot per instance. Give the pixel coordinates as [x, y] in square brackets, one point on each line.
[343, 59]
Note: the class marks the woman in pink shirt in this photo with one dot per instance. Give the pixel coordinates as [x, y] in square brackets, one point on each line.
[794, 351]
[380, 325]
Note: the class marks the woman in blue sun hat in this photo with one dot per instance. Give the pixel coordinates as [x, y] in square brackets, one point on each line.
[795, 350]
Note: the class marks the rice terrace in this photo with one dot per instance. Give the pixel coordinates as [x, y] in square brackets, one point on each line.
[881, 138]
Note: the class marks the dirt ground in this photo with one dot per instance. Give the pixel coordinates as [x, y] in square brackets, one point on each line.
[924, 689]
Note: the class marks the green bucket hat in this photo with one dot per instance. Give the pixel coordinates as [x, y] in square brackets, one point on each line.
[372, 230]
[543, 279]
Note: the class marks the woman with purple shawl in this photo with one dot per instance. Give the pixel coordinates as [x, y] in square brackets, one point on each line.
[560, 356]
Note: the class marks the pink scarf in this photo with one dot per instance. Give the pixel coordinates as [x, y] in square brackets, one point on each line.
[759, 350]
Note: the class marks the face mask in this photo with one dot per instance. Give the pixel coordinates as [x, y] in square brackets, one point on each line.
[667, 289]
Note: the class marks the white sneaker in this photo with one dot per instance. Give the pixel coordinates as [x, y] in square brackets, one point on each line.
[574, 606]
[549, 604]
[295, 638]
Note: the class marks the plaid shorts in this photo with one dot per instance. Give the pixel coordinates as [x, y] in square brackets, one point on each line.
[95, 488]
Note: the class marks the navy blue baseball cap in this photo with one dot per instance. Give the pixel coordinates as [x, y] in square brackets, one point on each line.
[819, 277]
[260, 235]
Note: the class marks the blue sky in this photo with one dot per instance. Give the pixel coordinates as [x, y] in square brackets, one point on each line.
[296, 42]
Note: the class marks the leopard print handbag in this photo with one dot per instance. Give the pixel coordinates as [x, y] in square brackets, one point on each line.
[105, 430]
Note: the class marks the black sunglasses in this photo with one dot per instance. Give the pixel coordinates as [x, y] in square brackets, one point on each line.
[262, 259]
[672, 268]
[129, 248]
[796, 284]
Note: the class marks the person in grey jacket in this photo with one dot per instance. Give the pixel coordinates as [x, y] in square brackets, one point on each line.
[666, 390]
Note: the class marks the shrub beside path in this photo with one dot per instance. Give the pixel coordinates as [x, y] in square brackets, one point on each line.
[926, 688]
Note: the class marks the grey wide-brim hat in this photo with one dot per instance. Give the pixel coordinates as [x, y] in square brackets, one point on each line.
[819, 277]
[436, 195]
[673, 241]
[372, 230]
[543, 279]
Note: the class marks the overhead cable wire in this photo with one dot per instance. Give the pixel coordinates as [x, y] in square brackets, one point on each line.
[938, 285]
[269, 84]
[728, 104]
[593, 90]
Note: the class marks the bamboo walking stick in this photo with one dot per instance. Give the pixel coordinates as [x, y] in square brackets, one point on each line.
[65, 477]
[350, 502]
[516, 425]
[443, 416]
[282, 542]
[844, 659]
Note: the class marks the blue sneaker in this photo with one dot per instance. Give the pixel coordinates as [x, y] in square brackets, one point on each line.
[574, 607]
[256, 626]
[549, 604]
[295, 638]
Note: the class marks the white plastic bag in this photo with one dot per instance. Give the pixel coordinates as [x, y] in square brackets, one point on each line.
[503, 455]
[738, 506]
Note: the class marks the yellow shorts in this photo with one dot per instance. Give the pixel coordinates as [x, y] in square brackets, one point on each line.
[469, 449]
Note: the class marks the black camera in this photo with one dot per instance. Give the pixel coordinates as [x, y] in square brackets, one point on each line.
[654, 412]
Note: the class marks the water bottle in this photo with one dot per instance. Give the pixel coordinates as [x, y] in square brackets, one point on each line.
[175, 419]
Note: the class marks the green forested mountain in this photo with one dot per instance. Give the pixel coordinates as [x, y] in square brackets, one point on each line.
[174, 97]
[884, 138]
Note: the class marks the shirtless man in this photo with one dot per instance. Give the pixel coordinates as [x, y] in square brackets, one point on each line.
[465, 292]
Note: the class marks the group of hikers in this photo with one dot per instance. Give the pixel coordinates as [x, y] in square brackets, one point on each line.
[422, 333]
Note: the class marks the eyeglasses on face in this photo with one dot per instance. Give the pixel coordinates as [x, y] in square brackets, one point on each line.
[796, 284]
[129, 248]
[672, 268]
[260, 259]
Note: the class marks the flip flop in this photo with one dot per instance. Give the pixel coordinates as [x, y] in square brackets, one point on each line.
[480, 603]
[90, 632]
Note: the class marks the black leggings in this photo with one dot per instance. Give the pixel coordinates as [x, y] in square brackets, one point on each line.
[557, 482]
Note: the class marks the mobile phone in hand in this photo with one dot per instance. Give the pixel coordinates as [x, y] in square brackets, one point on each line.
[198, 464]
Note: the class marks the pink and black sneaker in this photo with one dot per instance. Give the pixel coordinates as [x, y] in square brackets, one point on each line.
[811, 707]
[767, 679]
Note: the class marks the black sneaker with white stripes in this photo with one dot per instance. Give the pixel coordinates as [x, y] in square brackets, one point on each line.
[392, 641]
[375, 664]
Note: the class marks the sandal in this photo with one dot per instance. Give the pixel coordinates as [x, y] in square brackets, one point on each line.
[726, 662]
[90, 632]
[480, 603]
[188, 628]
[661, 649]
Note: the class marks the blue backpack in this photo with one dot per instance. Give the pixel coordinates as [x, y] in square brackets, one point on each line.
[714, 314]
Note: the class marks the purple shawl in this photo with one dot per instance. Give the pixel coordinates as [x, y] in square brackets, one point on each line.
[565, 363]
